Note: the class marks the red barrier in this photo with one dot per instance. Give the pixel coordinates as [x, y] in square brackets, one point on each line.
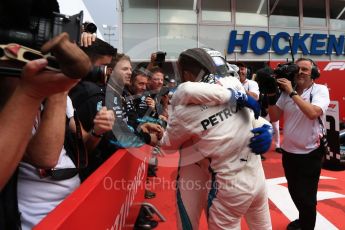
[108, 199]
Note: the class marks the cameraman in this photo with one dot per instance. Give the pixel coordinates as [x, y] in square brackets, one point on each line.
[301, 106]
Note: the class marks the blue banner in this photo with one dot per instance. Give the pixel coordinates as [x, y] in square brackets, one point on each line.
[320, 44]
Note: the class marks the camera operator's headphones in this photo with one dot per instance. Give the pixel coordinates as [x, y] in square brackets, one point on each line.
[315, 72]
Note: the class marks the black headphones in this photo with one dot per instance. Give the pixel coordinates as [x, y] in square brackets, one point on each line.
[315, 72]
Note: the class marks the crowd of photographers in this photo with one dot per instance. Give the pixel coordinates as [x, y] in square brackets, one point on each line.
[59, 126]
[73, 129]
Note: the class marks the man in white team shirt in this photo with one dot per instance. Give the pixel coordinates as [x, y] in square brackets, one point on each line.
[215, 137]
[251, 87]
[38, 194]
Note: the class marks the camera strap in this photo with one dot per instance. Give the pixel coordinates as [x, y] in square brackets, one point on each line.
[25, 54]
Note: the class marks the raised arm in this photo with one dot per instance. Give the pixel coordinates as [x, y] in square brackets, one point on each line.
[45, 146]
[17, 116]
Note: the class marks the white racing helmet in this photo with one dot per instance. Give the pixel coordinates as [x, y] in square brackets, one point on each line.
[223, 69]
[212, 61]
[233, 70]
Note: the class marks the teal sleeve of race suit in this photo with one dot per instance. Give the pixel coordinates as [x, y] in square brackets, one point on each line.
[158, 121]
[126, 137]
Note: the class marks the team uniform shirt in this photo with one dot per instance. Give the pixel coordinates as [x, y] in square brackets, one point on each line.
[123, 134]
[251, 86]
[137, 108]
[220, 134]
[38, 196]
[302, 135]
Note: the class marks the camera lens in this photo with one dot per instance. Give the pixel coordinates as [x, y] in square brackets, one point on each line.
[90, 27]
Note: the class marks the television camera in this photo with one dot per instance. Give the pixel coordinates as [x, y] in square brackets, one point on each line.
[44, 35]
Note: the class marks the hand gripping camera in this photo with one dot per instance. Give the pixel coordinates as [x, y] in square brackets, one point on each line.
[267, 78]
[49, 35]
[42, 30]
[286, 70]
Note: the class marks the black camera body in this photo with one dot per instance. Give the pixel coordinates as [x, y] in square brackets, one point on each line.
[30, 29]
[267, 77]
[160, 58]
[43, 29]
[286, 70]
[98, 74]
[89, 27]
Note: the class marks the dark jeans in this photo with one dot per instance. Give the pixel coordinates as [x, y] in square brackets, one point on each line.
[302, 172]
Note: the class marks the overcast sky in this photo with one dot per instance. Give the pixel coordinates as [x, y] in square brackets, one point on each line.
[101, 12]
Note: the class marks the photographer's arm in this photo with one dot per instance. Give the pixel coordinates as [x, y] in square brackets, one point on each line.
[311, 111]
[152, 61]
[18, 115]
[87, 39]
[15, 131]
[45, 146]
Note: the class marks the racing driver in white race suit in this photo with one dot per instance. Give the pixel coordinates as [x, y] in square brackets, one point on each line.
[217, 139]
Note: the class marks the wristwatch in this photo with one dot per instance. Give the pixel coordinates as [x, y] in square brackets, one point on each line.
[293, 93]
[93, 133]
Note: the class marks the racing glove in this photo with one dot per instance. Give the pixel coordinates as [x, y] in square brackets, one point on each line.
[244, 100]
[261, 142]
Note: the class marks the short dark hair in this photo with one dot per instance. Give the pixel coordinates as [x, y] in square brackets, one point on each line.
[137, 72]
[156, 69]
[98, 49]
[241, 64]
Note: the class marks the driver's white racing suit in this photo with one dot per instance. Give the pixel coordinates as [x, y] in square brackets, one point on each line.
[216, 138]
